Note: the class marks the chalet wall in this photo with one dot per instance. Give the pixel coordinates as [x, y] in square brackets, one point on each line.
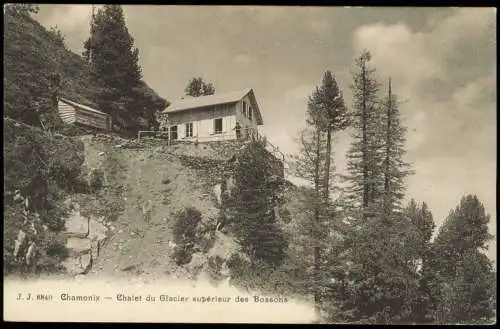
[241, 118]
[203, 123]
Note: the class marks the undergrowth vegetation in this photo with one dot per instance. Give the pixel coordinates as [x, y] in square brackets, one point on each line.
[45, 169]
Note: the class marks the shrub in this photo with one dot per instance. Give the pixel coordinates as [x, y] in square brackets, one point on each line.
[285, 215]
[185, 225]
[185, 234]
[215, 267]
[182, 255]
[96, 180]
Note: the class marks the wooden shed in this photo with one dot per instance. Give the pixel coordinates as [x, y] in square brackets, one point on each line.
[74, 113]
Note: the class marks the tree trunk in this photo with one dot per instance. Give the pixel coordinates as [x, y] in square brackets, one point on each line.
[317, 295]
[365, 145]
[327, 165]
[387, 201]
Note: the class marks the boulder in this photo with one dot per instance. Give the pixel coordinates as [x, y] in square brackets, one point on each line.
[21, 236]
[217, 193]
[78, 265]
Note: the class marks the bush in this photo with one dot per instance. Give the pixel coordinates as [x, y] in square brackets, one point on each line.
[182, 255]
[214, 267]
[285, 215]
[96, 180]
[185, 234]
[186, 222]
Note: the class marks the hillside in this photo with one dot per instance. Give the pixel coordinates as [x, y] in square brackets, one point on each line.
[102, 230]
[34, 58]
[184, 176]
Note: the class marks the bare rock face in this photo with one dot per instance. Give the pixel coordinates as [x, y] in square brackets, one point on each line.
[77, 247]
[85, 237]
[217, 193]
[78, 265]
[97, 231]
[76, 225]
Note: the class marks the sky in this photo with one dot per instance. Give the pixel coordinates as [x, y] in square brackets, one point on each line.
[442, 62]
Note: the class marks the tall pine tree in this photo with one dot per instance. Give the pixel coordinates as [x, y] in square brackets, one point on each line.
[381, 283]
[364, 158]
[332, 112]
[114, 66]
[395, 169]
[326, 115]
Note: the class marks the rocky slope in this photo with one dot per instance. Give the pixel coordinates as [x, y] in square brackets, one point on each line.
[169, 179]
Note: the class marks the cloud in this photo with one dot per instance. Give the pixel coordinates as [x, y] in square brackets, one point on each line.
[70, 17]
[243, 59]
[451, 118]
[398, 52]
[262, 14]
[414, 57]
[320, 26]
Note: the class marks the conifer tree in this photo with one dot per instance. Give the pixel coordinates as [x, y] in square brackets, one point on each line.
[422, 219]
[311, 165]
[457, 275]
[394, 168]
[256, 190]
[364, 158]
[326, 114]
[332, 117]
[114, 66]
[382, 249]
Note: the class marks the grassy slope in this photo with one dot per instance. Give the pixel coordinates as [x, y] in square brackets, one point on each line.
[31, 56]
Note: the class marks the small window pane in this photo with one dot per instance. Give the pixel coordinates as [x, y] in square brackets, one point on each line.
[218, 126]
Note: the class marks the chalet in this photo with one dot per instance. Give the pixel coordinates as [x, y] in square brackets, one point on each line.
[215, 117]
[79, 114]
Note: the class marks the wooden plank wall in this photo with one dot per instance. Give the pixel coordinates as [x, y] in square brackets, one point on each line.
[67, 112]
[72, 114]
[92, 119]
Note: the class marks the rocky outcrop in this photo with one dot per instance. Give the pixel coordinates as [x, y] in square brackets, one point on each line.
[85, 236]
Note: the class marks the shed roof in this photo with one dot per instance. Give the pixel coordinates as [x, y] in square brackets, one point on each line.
[189, 103]
[81, 106]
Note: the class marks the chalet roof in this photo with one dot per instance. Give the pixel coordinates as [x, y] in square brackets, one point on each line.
[189, 103]
[81, 106]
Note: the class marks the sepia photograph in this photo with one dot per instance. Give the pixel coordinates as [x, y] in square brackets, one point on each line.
[249, 164]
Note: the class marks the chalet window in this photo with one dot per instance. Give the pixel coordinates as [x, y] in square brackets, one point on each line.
[173, 132]
[218, 126]
[244, 109]
[249, 113]
[189, 130]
